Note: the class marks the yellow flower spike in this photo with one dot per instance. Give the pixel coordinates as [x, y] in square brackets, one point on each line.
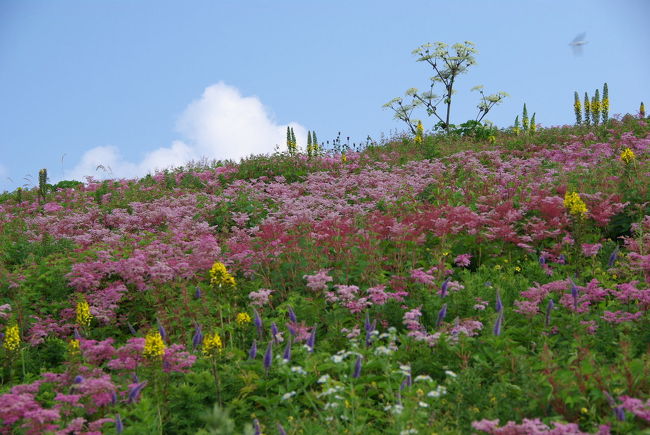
[83, 312]
[343, 158]
[243, 318]
[627, 156]
[73, 346]
[12, 338]
[219, 275]
[419, 133]
[154, 346]
[212, 344]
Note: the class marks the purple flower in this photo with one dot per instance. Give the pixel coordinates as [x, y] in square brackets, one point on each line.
[268, 356]
[77, 336]
[134, 392]
[197, 292]
[281, 430]
[499, 305]
[256, 426]
[135, 378]
[292, 315]
[131, 329]
[574, 295]
[113, 397]
[542, 259]
[257, 320]
[274, 332]
[549, 308]
[161, 330]
[287, 351]
[119, 426]
[613, 257]
[197, 339]
[441, 315]
[407, 382]
[561, 259]
[366, 323]
[311, 341]
[252, 353]
[619, 412]
[443, 288]
[497, 325]
[357, 368]
[291, 329]
[78, 379]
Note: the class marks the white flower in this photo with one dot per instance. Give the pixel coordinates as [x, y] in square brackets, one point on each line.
[289, 395]
[395, 409]
[299, 370]
[423, 404]
[323, 379]
[384, 335]
[408, 432]
[450, 373]
[423, 378]
[437, 392]
[405, 369]
[331, 405]
[338, 358]
[382, 350]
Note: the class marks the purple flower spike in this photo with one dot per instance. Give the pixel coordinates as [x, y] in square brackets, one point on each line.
[542, 260]
[78, 379]
[134, 392]
[257, 320]
[197, 292]
[268, 356]
[135, 378]
[407, 382]
[131, 329]
[119, 426]
[113, 397]
[292, 315]
[77, 336]
[497, 325]
[252, 353]
[287, 351]
[441, 315]
[311, 341]
[357, 368]
[613, 257]
[368, 338]
[366, 323]
[549, 308]
[443, 288]
[619, 412]
[561, 259]
[256, 426]
[281, 430]
[499, 305]
[574, 295]
[291, 329]
[274, 332]
[197, 339]
[161, 330]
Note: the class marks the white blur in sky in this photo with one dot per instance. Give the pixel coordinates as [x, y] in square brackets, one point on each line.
[122, 88]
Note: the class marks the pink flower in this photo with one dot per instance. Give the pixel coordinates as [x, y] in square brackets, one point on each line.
[590, 250]
[319, 280]
[463, 260]
[52, 207]
[260, 297]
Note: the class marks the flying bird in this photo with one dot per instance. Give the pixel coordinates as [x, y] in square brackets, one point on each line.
[577, 43]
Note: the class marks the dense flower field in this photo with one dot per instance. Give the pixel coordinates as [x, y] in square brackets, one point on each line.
[444, 286]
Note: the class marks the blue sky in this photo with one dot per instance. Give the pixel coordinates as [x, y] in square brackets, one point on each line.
[138, 85]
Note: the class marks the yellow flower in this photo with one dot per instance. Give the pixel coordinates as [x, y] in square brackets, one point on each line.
[584, 411]
[73, 346]
[219, 275]
[83, 313]
[517, 269]
[243, 318]
[419, 133]
[154, 346]
[343, 158]
[574, 204]
[627, 156]
[212, 344]
[12, 338]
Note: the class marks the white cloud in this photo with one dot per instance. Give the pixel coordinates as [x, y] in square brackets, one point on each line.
[222, 124]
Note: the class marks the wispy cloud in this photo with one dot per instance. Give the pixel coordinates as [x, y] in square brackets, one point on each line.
[222, 124]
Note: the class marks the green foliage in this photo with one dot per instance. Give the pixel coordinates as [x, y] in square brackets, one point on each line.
[67, 184]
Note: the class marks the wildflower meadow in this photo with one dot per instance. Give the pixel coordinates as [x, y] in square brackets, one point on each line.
[467, 280]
